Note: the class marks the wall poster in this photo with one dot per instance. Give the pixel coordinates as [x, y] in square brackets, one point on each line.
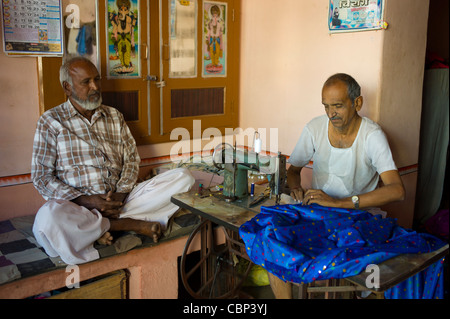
[183, 39]
[215, 36]
[123, 39]
[355, 15]
[32, 27]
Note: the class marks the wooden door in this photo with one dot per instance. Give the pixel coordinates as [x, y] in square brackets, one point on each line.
[159, 98]
[200, 67]
[124, 69]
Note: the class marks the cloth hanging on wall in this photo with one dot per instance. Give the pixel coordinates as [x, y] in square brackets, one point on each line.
[303, 244]
[84, 40]
[434, 138]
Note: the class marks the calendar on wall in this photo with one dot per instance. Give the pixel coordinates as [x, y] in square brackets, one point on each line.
[32, 27]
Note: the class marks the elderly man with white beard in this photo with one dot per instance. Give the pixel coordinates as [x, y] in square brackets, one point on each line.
[85, 164]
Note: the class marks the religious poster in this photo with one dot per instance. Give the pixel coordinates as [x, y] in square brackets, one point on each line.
[32, 27]
[215, 37]
[123, 39]
[355, 15]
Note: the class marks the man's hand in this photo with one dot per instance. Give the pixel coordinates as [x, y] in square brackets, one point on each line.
[115, 197]
[392, 190]
[294, 183]
[317, 196]
[108, 205]
[297, 194]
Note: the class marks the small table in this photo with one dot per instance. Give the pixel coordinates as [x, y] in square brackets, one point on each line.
[395, 270]
[231, 215]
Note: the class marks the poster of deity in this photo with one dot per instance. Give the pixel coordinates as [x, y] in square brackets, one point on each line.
[215, 37]
[123, 39]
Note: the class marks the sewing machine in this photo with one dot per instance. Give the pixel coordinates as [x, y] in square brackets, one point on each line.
[237, 163]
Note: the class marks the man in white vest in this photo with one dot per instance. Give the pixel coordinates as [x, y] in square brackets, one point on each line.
[350, 154]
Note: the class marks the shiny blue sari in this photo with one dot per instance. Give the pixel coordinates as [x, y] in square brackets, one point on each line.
[303, 244]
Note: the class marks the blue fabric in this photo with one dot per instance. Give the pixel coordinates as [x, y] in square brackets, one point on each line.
[428, 284]
[84, 40]
[81, 40]
[307, 243]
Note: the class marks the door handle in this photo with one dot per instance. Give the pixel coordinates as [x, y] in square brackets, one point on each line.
[144, 49]
[160, 84]
[153, 78]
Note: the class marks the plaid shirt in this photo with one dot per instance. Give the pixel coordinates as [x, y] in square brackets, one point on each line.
[72, 157]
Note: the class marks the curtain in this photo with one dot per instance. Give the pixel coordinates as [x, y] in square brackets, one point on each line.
[433, 148]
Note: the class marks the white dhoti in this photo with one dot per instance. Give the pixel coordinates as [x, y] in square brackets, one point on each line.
[68, 230]
[150, 200]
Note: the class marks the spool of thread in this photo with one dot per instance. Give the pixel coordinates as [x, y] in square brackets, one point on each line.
[252, 189]
[257, 146]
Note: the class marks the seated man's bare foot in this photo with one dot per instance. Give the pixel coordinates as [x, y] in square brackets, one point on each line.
[149, 229]
[106, 239]
[152, 230]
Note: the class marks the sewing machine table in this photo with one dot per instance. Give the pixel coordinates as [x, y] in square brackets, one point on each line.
[232, 215]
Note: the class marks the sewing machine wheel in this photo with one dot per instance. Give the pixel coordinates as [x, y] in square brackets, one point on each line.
[214, 274]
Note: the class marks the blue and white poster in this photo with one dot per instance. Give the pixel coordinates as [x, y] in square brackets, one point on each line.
[32, 27]
[355, 15]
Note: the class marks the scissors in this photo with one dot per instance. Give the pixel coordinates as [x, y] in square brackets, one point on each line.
[261, 197]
